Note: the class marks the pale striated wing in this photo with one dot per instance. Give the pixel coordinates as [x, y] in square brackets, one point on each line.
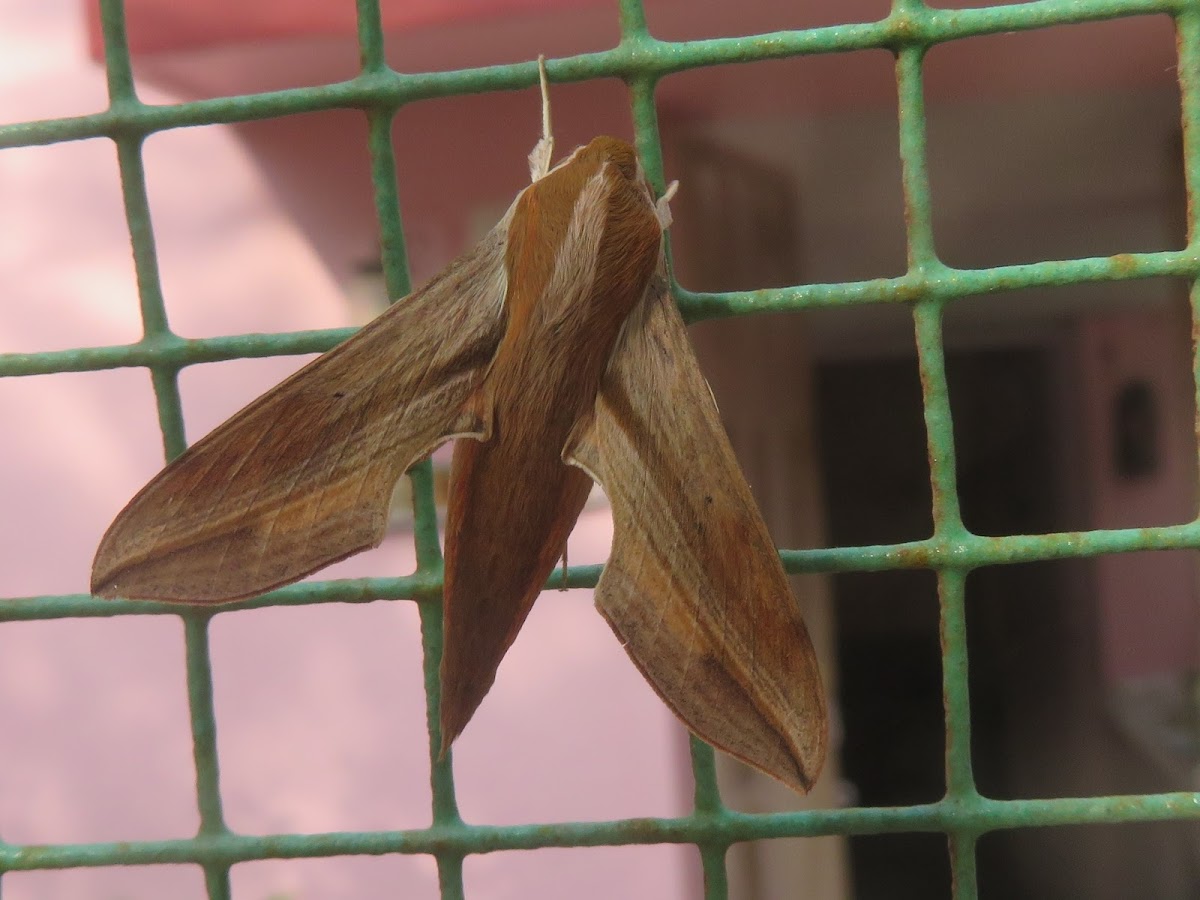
[302, 476]
[694, 587]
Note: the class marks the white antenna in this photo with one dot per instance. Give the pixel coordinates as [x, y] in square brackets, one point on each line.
[539, 157]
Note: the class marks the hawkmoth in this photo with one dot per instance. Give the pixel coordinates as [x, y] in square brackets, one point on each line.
[553, 354]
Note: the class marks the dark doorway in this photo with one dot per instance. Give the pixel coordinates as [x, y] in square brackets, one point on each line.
[876, 481]
[1034, 685]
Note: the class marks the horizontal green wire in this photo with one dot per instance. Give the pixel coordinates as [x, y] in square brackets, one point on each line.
[641, 55]
[978, 817]
[936, 284]
[963, 551]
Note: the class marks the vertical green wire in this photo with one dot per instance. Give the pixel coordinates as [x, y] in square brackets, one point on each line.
[964, 881]
[425, 529]
[371, 50]
[635, 38]
[163, 376]
[716, 874]
[960, 779]
[922, 255]
[398, 282]
[118, 64]
[204, 742]
[914, 167]
[1187, 27]
[645, 128]
[204, 732]
[707, 803]
[123, 97]
[951, 584]
[939, 425]
[393, 252]
[441, 767]
[632, 19]
[927, 323]
[707, 795]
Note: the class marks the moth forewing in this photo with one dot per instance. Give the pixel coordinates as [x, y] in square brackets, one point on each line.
[302, 476]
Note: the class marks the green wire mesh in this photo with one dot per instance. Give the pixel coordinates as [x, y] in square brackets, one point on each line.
[928, 286]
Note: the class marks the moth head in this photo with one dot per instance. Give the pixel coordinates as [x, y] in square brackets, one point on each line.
[620, 158]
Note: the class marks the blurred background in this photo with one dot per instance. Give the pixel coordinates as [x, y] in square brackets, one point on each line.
[1073, 410]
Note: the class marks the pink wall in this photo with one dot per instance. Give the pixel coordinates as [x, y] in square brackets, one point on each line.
[454, 158]
[320, 709]
[1150, 618]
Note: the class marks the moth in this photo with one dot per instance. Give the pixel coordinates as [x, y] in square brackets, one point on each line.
[554, 356]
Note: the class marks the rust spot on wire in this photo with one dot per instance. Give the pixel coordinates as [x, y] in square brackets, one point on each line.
[908, 293]
[914, 557]
[902, 31]
[1124, 264]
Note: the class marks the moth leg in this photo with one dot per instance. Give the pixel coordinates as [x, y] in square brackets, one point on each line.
[539, 157]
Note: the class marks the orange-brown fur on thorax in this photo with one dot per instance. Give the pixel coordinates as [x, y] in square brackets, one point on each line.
[554, 353]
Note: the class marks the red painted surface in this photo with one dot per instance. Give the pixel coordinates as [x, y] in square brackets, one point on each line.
[225, 47]
[155, 26]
